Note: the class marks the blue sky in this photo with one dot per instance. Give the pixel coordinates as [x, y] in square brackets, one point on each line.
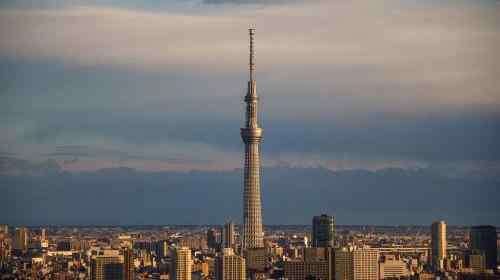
[353, 84]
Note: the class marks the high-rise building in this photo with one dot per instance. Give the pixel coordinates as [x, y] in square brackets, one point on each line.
[21, 239]
[128, 264]
[229, 266]
[181, 264]
[393, 267]
[228, 239]
[357, 264]
[323, 231]
[4, 229]
[106, 267]
[251, 134]
[212, 239]
[43, 235]
[438, 243]
[484, 239]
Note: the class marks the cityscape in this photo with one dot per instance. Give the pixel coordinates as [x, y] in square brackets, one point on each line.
[61, 230]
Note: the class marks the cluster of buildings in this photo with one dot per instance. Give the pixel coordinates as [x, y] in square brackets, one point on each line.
[324, 253]
[320, 251]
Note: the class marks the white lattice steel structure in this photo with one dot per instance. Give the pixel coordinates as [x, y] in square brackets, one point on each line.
[253, 235]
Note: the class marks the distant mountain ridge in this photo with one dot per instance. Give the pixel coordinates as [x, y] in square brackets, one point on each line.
[291, 195]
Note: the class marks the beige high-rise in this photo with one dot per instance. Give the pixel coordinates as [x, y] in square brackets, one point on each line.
[358, 264]
[251, 134]
[438, 243]
[21, 240]
[181, 264]
[230, 266]
[228, 238]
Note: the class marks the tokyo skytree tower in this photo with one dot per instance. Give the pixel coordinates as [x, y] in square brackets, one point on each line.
[251, 134]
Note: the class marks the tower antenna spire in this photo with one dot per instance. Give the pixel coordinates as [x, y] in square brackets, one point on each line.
[251, 32]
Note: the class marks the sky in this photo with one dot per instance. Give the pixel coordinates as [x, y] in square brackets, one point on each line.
[343, 84]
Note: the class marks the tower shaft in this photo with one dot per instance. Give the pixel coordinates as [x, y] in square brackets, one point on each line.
[251, 134]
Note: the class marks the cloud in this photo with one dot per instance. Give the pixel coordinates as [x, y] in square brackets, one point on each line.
[369, 83]
[157, 197]
[411, 54]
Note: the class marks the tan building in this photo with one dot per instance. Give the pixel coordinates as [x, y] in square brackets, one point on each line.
[392, 267]
[438, 244]
[181, 264]
[356, 264]
[193, 242]
[4, 229]
[477, 261]
[256, 258]
[230, 266]
[21, 239]
[228, 238]
[317, 263]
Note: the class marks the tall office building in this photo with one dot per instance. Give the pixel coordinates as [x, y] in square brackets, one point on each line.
[228, 239]
[181, 264]
[229, 266]
[106, 267]
[323, 231]
[484, 239]
[212, 239]
[438, 243]
[21, 239]
[358, 264]
[251, 134]
[43, 235]
[128, 264]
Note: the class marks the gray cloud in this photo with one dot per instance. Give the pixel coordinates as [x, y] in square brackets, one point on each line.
[338, 81]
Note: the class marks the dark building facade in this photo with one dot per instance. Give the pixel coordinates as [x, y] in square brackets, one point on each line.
[484, 239]
[323, 231]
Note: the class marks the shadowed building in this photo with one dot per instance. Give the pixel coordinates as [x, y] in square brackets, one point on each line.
[323, 231]
[484, 239]
[212, 239]
[107, 267]
[128, 264]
